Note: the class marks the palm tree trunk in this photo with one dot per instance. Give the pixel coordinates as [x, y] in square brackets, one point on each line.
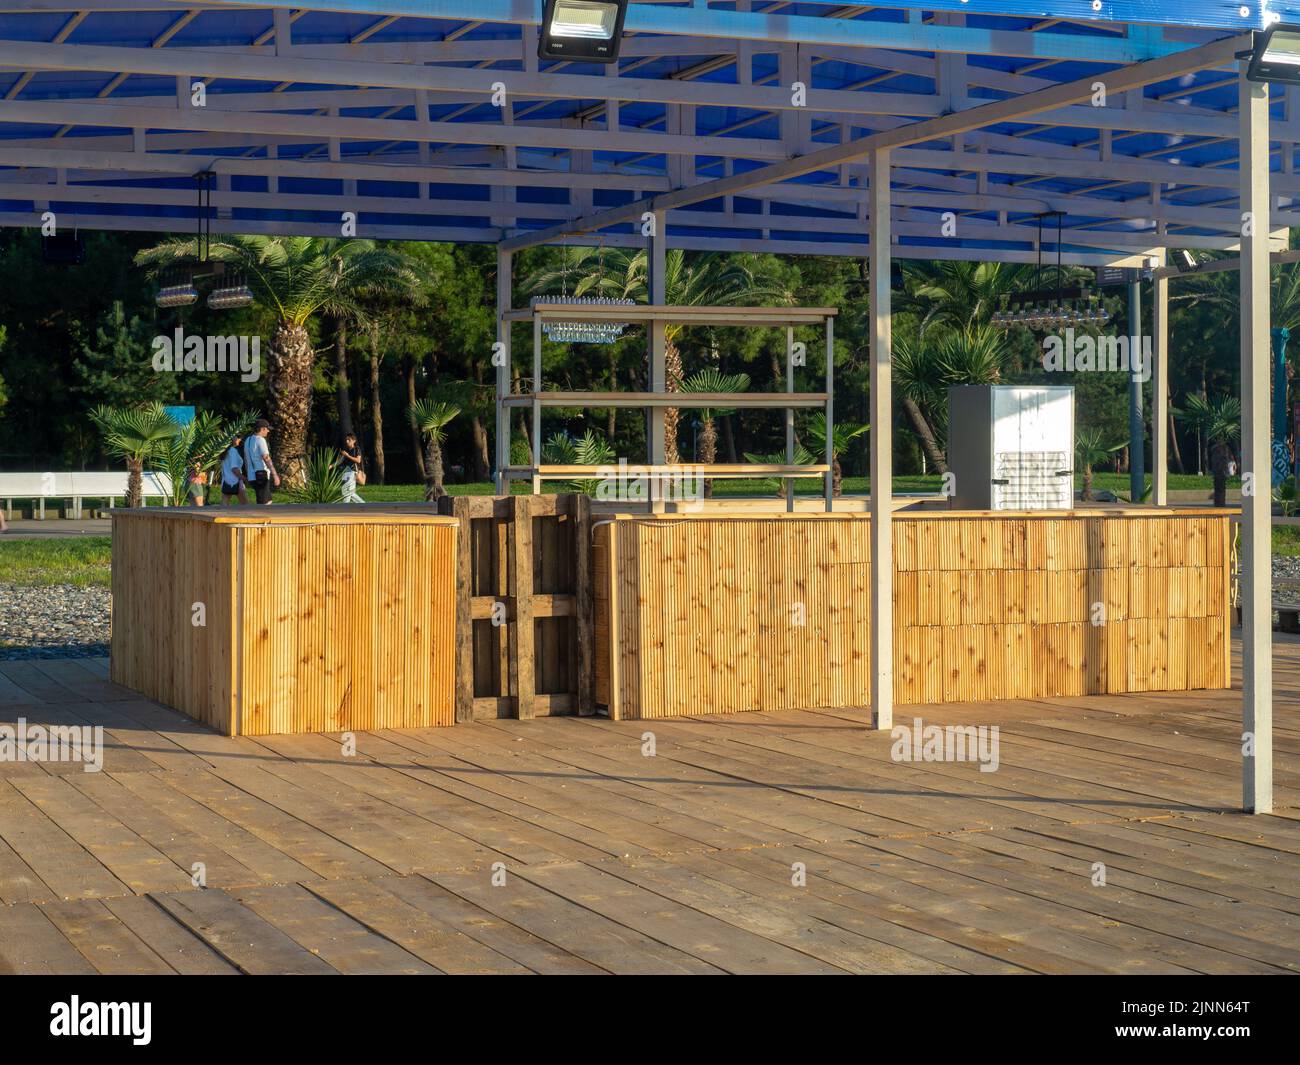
[672, 383]
[134, 483]
[611, 416]
[289, 398]
[1173, 446]
[837, 475]
[729, 436]
[525, 423]
[1086, 494]
[926, 435]
[433, 488]
[342, 393]
[708, 447]
[410, 367]
[376, 411]
[482, 460]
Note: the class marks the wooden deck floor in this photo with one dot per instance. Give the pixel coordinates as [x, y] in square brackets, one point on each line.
[317, 862]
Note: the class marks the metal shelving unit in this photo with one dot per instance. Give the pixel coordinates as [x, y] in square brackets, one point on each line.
[538, 399]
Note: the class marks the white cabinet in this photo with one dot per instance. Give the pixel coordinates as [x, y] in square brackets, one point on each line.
[1011, 447]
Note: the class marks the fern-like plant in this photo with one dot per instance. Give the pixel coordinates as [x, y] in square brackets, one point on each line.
[323, 480]
[802, 457]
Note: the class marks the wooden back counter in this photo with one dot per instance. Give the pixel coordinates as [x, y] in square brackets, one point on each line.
[705, 613]
[313, 618]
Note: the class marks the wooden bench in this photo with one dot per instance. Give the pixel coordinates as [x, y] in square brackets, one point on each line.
[1288, 617]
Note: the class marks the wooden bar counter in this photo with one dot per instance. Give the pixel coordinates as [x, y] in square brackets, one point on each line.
[261, 620]
[701, 613]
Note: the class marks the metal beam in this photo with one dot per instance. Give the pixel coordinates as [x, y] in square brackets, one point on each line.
[290, 69]
[1121, 80]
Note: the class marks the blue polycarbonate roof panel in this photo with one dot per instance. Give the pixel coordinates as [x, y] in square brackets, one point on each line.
[296, 128]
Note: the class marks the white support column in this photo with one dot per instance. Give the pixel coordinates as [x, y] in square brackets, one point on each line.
[828, 483]
[536, 406]
[882, 489]
[789, 416]
[657, 337]
[501, 361]
[1256, 508]
[1160, 389]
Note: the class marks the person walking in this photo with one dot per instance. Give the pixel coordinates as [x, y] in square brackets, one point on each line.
[258, 467]
[196, 485]
[232, 473]
[351, 456]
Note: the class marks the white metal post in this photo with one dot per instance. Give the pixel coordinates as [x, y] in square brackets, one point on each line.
[1160, 389]
[882, 538]
[655, 443]
[536, 405]
[789, 416]
[1256, 504]
[828, 485]
[505, 276]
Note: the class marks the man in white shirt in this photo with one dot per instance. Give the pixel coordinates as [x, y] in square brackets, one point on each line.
[258, 467]
[232, 473]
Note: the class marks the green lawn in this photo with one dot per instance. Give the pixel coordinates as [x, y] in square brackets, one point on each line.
[1113, 482]
[79, 560]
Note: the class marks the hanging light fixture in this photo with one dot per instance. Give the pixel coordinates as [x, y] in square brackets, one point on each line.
[177, 291]
[1049, 308]
[231, 295]
[582, 332]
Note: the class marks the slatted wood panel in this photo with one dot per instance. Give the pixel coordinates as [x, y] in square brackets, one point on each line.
[332, 625]
[720, 615]
[161, 571]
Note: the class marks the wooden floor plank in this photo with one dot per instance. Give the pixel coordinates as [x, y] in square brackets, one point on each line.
[250, 943]
[782, 842]
[30, 945]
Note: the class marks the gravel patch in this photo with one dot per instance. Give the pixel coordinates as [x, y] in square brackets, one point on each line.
[60, 621]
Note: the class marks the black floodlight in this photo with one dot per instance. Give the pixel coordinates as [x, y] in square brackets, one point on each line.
[1276, 55]
[587, 31]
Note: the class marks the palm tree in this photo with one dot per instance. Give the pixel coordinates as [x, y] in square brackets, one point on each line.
[135, 434]
[295, 278]
[590, 449]
[430, 420]
[1091, 449]
[802, 457]
[843, 434]
[202, 442]
[915, 372]
[712, 381]
[706, 280]
[924, 369]
[323, 480]
[958, 294]
[1220, 421]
